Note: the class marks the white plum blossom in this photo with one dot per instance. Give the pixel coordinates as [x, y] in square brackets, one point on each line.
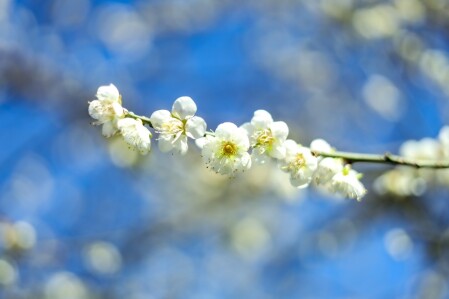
[174, 127]
[135, 134]
[107, 109]
[327, 167]
[347, 184]
[227, 151]
[267, 137]
[299, 163]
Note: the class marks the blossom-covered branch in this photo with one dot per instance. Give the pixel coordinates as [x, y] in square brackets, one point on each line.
[231, 149]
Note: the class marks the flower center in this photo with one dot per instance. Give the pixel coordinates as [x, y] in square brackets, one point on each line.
[172, 127]
[107, 111]
[300, 161]
[228, 149]
[296, 164]
[264, 138]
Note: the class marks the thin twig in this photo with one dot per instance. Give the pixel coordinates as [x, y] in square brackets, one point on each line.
[386, 158]
[144, 119]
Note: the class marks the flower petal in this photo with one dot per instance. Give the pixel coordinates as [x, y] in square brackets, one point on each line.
[291, 147]
[108, 93]
[320, 145]
[278, 151]
[226, 130]
[327, 168]
[249, 128]
[300, 181]
[443, 136]
[348, 185]
[208, 148]
[279, 129]
[195, 127]
[200, 142]
[183, 108]
[160, 117]
[144, 144]
[118, 109]
[261, 119]
[245, 161]
[135, 134]
[181, 144]
[258, 157]
[240, 138]
[95, 109]
[108, 129]
[165, 144]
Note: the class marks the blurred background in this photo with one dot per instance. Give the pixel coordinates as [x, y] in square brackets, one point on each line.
[84, 217]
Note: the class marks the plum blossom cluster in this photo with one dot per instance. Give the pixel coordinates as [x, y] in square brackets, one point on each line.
[107, 110]
[406, 181]
[229, 149]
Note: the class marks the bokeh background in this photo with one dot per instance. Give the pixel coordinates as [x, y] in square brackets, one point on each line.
[84, 217]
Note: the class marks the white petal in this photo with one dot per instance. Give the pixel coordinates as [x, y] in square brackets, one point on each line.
[249, 128]
[320, 145]
[241, 139]
[108, 129]
[95, 108]
[108, 93]
[165, 144]
[144, 144]
[245, 161]
[348, 185]
[300, 181]
[308, 172]
[258, 157]
[311, 160]
[279, 129]
[223, 166]
[225, 130]
[181, 144]
[207, 148]
[125, 122]
[332, 164]
[327, 168]
[184, 107]
[160, 117]
[443, 136]
[118, 109]
[291, 147]
[261, 119]
[278, 151]
[195, 127]
[200, 142]
[135, 134]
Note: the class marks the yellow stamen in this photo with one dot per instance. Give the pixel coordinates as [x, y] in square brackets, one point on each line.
[265, 138]
[228, 149]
